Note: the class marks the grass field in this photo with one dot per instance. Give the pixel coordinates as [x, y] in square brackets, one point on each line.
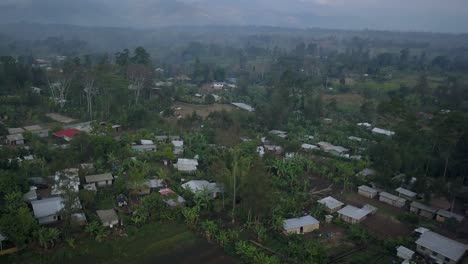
[153, 243]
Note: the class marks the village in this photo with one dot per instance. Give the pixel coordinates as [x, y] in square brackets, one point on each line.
[260, 148]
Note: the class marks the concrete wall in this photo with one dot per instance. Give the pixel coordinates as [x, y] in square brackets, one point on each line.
[48, 219]
[427, 252]
[351, 220]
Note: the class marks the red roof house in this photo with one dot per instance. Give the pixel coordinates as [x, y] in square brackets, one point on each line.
[67, 134]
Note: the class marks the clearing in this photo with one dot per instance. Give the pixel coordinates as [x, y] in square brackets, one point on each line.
[152, 243]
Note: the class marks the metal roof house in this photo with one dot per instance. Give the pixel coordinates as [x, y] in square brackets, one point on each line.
[171, 198]
[47, 210]
[392, 199]
[381, 131]
[37, 130]
[300, 225]
[306, 146]
[353, 215]
[422, 210]
[404, 253]
[367, 191]
[405, 193]
[186, 165]
[202, 185]
[100, 180]
[178, 147]
[245, 107]
[332, 205]
[440, 248]
[442, 215]
[108, 217]
[330, 148]
[15, 139]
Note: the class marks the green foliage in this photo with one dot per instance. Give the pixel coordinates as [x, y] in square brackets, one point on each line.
[96, 230]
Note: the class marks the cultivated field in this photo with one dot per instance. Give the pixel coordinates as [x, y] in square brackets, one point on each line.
[184, 109]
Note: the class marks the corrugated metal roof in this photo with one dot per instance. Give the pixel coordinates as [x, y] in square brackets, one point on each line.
[47, 207]
[405, 192]
[392, 197]
[448, 214]
[423, 207]
[442, 245]
[99, 177]
[354, 212]
[300, 221]
[367, 189]
[330, 202]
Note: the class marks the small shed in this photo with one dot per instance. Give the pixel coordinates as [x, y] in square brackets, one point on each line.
[108, 217]
[186, 165]
[328, 219]
[47, 210]
[353, 215]
[178, 147]
[300, 225]
[15, 140]
[443, 215]
[405, 193]
[171, 198]
[100, 180]
[422, 210]
[404, 253]
[367, 191]
[37, 130]
[331, 204]
[392, 199]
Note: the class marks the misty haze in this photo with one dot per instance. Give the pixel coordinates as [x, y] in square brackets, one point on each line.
[222, 131]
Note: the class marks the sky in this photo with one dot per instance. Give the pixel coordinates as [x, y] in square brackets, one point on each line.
[403, 15]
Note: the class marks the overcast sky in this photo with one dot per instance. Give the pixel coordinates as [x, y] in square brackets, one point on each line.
[420, 15]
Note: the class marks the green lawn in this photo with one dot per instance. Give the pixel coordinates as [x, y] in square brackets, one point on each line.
[153, 243]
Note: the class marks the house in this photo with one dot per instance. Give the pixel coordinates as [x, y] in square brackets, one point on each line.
[108, 217]
[367, 191]
[279, 133]
[31, 195]
[439, 248]
[300, 225]
[171, 198]
[245, 107]
[331, 204]
[358, 139]
[202, 185]
[145, 145]
[392, 199]
[330, 148]
[422, 210]
[273, 148]
[367, 125]
[178, 147]
[381, 131]
[47, 210]
[306, 146]
[67, 134]
[100, 180]
[353, 215]
[404, 253]
[186, 165]
[366, 172]
[15, 139]
[156, 184]
[66, 179]
[37, 130]
[405, 193]
[15, 130]
[218, 85]
[443, 215]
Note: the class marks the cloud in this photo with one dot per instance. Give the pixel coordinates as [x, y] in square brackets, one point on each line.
[438, 15]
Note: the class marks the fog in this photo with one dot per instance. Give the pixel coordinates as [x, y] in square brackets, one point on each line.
[414, 15]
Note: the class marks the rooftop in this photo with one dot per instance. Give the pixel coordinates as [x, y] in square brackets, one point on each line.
[200, 185]
[354, 212]
[367, 189]
[392, 197]
[15, 130]
[423, 207]
[15, 137]
[383, 131]
[244, 106]
[406, 192]
[33, 128]
[67, 133]
[47, 207]
[442, 245]
[448, 214]
[107, 216]
[299, 222]
[330, 202]
[99, 177]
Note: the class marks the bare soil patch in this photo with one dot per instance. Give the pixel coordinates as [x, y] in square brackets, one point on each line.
[185, 109]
